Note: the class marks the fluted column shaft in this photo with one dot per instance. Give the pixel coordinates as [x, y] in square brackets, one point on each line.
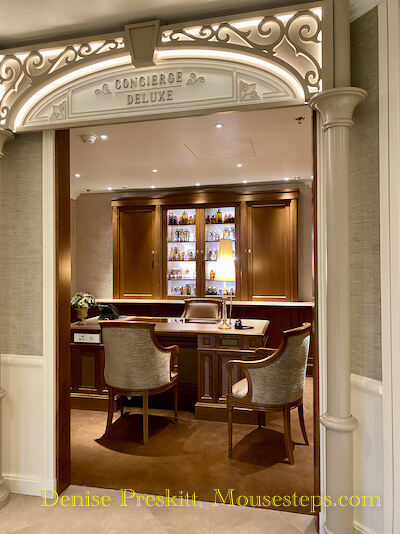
[5, 135]
[336, 107]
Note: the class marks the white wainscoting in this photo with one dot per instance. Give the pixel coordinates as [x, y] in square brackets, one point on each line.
[25, 427]
[366, 398]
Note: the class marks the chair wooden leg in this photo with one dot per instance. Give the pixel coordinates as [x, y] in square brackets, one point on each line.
[288, 434]
[302, 424]
[176, 404]
[230, 431]
[110, 412]
[145, 418]
[122, 404]
[260, 419]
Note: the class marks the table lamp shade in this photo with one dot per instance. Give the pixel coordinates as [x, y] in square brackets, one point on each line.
[225, 267]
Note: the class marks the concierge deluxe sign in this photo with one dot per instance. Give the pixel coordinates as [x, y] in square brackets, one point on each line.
[185, 85]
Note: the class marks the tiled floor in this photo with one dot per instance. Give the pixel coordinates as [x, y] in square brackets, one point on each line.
[25, 515]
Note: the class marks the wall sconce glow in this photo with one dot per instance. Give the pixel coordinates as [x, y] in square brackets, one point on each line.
[197, 185]
[317, 11]
[77, 175]
[58, 82]
[286, 179]
[109, 188]
[244, 182]
[286, 17]
[155, 170]
[239, 165]
[219, 125]
[153, 186]
[264, 64]
[104, 137]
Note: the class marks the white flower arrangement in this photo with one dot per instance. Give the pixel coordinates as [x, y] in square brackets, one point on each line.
[83, 300]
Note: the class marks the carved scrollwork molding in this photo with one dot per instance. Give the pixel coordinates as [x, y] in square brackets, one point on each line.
[20, 72]
[292, 41]
[286, 44]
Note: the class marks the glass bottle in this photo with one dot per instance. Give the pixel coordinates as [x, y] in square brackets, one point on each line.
[218, 217]
[185, 218]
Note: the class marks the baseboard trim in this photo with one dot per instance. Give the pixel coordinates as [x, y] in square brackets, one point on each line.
[28, 485]
[21, 360]
[366, 385]
[360, 529]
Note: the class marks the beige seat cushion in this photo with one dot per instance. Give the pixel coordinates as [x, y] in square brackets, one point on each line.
[240, 389]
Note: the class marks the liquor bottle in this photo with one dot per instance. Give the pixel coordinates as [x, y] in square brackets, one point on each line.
[185, 218]
[207, 219]
[212, 218]
[218, 217]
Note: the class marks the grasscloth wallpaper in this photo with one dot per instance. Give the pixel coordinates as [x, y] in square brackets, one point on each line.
[21, 246]
[366, 358]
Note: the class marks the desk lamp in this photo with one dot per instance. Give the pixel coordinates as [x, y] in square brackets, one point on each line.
[225, 272]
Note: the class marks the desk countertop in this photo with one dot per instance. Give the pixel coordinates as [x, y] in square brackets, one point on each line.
[173, 325]
[284, 304]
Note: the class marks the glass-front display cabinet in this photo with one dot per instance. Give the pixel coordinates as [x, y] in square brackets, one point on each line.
[192, 240]
[220, 223]
[181, 271]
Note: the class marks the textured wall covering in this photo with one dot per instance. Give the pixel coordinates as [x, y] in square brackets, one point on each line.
[73, 246]
[364, 202]
[93, 226]
[93, 256]
[21, 246]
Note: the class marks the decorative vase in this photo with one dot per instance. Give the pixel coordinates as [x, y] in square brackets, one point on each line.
[82, 314]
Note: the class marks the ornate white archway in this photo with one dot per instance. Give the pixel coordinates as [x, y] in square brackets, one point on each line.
[262, 59]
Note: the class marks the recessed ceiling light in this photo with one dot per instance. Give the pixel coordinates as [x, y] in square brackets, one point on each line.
[109, 188]
[219, 125]
[197, 185]
[104, 137]
[77, 175]
[155, 170]
[244, 182]
[153, 186]
[287, 179]
[239, 164]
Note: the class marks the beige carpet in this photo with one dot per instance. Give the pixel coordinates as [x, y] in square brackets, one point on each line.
[192, 455]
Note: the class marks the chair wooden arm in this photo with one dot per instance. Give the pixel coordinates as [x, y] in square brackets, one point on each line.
[174, 349]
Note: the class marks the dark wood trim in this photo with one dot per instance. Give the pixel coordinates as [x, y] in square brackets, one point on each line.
[63, 311]
[116, 269]
[202, 197]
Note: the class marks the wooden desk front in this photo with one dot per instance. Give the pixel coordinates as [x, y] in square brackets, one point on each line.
[214, 348]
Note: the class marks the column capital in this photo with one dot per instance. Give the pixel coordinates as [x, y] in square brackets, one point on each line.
[337, 105]
[5, 135]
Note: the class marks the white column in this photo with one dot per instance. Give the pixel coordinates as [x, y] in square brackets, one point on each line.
[336, 107]
[5, 135]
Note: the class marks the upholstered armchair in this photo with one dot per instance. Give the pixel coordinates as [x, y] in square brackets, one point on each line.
[275, 382]
[202, 309]
[136, 364]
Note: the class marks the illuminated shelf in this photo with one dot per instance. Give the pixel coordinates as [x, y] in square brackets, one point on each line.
[220, 224]
[180, 242]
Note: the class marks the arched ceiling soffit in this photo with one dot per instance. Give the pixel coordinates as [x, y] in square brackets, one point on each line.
[291, 49]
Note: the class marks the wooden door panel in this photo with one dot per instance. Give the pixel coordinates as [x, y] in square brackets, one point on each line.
[269, 251]
[137, 247]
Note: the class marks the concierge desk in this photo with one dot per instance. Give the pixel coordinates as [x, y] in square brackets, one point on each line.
[211, 348]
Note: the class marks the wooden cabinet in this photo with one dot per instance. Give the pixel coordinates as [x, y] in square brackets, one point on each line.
[271, 250]
[136, 265]
[159, 256]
